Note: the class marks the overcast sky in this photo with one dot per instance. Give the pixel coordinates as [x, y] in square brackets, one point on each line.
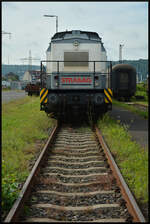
[116, 23]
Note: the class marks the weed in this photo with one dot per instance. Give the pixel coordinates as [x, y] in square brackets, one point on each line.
[9, 188]
[130, 157]
[23, 124]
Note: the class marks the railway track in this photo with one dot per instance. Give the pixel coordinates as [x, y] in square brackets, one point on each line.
[75, 179]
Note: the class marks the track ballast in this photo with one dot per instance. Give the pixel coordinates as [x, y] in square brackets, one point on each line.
[75, 183]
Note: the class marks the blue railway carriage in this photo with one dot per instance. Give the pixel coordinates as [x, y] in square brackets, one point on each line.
[75, 77]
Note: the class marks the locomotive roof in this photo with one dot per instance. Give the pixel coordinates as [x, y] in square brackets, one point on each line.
[75, 33]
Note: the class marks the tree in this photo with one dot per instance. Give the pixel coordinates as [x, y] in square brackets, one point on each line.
[12, 77]
[4, 78]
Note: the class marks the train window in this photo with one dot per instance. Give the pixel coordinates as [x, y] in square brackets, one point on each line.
[124, 77]
[71, 58]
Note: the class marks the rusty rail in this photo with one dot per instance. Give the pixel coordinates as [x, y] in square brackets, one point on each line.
[130, 201]
[18, 205]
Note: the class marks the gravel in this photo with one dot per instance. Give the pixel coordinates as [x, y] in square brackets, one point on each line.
[75, 172]
[85, 215]
[71, 189]
[74, 200]
[71, 144]
[76, 166]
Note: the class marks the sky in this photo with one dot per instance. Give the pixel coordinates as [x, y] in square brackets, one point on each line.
[116, 23]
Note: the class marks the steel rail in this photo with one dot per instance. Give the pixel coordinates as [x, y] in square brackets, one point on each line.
[131, 204]
[128, 197]
[19, 203]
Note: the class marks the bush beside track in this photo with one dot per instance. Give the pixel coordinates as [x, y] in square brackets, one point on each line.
[130, 157]
[141, 90]
[24, 131]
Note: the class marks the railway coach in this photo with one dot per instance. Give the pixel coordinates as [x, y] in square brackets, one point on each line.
[33, 88]
[123, 81]
[75, 77]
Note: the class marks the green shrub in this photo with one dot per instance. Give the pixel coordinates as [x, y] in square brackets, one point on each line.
[9, 188]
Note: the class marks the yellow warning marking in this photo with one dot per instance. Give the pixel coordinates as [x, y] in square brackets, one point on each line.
[42, 91]
[110, 91]
[45, 100]
[44, 96]
[106, 101]
[107, 95]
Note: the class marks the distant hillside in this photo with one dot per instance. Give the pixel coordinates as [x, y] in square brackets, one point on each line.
[10, 77]
[141, 66]
[17, 69]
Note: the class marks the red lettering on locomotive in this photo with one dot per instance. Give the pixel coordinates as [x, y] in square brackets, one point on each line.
[75, 80]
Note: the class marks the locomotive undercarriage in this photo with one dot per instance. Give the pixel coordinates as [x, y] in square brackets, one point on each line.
[76, 104]
[75, 94]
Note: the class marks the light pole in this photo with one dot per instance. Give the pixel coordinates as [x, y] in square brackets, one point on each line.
[56, 20]
[120, 52]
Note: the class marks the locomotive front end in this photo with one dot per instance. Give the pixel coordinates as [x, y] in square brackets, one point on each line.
[74, 77]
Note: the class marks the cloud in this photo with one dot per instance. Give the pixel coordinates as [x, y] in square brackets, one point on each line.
[10, 6]
[115, 22]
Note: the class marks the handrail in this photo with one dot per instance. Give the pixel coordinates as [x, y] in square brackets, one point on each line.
[58, 71]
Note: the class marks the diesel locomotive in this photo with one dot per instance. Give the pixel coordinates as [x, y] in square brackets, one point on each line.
[76, 76]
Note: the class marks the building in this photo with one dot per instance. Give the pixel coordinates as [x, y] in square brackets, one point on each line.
[5, 84]
[31, 76]
[15, 85]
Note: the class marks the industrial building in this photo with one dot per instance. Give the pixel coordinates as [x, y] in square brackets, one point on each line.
[31, 76]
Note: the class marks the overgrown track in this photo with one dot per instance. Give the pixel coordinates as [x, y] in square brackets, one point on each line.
[75, 181]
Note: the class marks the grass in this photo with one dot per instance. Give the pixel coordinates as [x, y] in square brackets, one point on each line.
[142, 93]
[130, 157]
[141, 90]
[143, 114]
[141, 102]
[84, 129]
[6, 89]
[23, 125]
[142, 86]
